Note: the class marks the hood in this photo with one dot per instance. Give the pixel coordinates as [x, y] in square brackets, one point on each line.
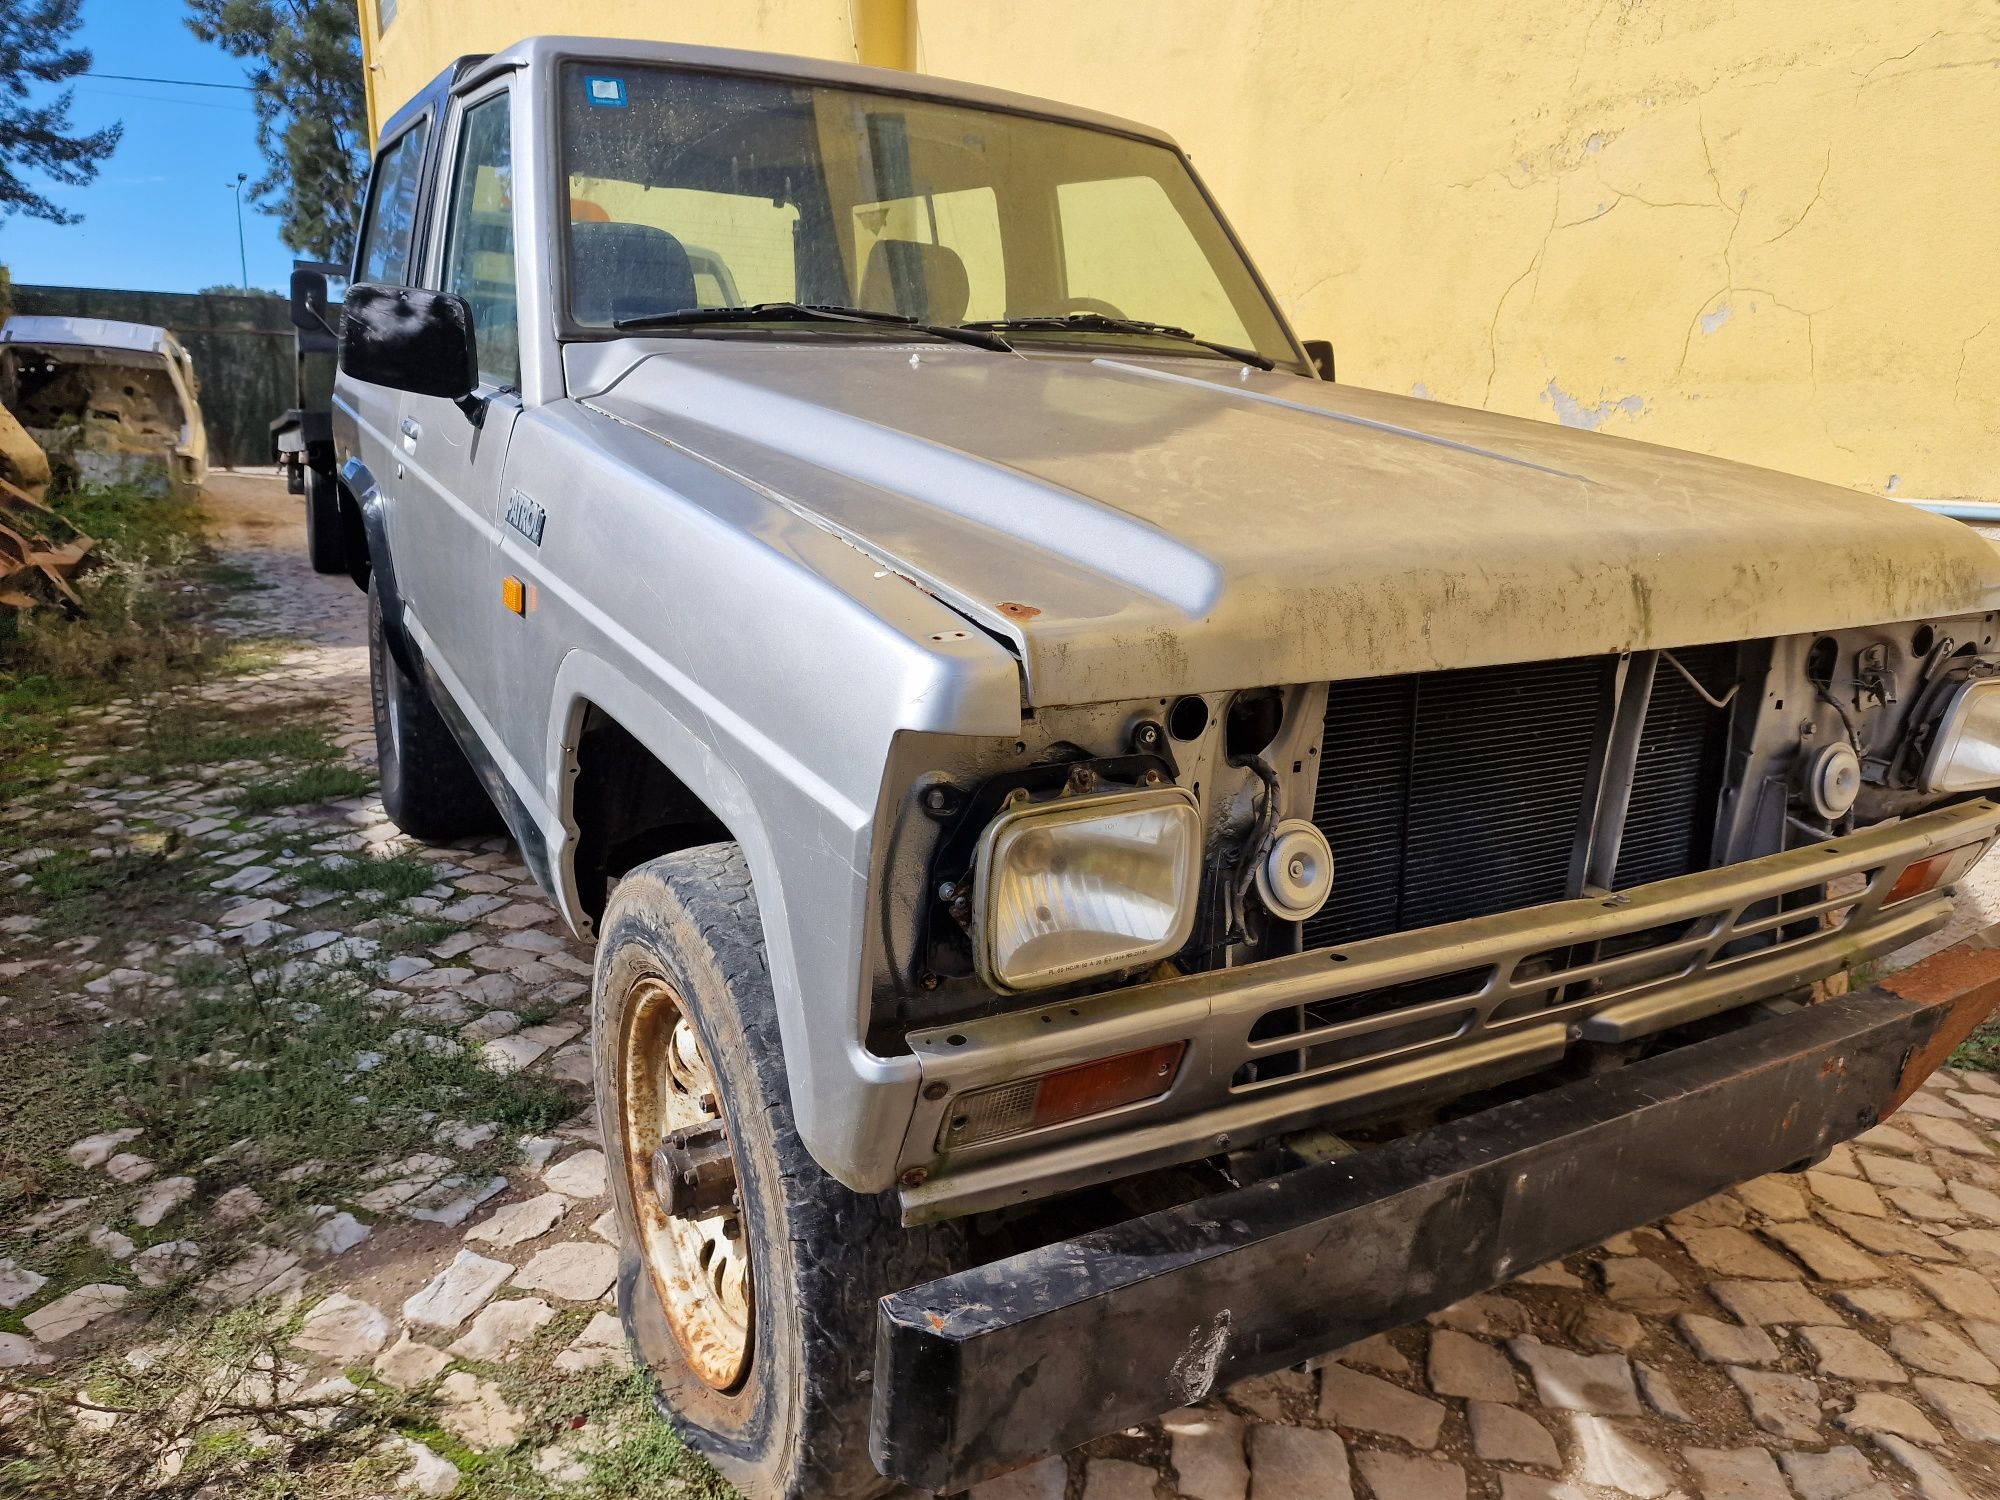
[1150, 527]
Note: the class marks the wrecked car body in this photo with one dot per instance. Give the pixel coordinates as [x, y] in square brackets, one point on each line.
[116, 401]
[1337, 848]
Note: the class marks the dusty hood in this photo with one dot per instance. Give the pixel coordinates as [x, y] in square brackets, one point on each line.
[1150, 527]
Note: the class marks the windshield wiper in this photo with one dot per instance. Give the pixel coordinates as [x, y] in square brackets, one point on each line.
[1089, 322]
[813, 312]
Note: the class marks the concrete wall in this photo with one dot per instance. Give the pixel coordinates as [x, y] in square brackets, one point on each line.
[241, 346]
[1763, 228]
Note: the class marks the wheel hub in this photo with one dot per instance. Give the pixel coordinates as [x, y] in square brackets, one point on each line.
[694, 1172]
[682, 1170]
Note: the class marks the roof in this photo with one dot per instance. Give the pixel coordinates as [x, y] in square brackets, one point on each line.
[93, 333]
[540, 51]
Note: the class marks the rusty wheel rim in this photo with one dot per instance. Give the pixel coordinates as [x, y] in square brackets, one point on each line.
[699, 1267]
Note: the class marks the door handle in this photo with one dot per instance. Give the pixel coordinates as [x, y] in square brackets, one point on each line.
[412, 430]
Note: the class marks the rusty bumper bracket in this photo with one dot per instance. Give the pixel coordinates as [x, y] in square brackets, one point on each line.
[990, 1368]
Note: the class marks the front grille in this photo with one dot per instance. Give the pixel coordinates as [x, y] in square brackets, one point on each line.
[1670, 824]
[1455, 794]
[1449, 795]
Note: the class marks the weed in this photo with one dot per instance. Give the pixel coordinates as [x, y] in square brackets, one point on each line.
[391, 880]
[308, 787]
[417, 934]
[1980, 1052]
[79, 891]
[48, 1097]
[195, 1412]
[626, 1449]
[200, 735]
[311, 1074]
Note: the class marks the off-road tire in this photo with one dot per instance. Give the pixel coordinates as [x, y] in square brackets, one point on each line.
[326, 530]
[429, 789]
[796, 1427]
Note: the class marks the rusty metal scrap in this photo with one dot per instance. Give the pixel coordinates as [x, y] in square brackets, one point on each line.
[35, 566]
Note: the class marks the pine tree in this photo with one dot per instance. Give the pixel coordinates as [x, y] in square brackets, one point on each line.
[38, 139]
[304, 61]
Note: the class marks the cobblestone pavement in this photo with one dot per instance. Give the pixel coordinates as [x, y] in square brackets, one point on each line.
[1832, 1334]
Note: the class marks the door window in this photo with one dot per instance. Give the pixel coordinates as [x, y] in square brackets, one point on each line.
[479, 238]
[392, 210]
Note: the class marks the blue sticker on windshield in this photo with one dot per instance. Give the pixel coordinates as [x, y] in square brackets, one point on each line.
[608, 92]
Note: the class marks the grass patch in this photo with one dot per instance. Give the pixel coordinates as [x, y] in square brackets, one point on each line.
[76, 892]
[205, 736]
[305, 788]
[304, 1072]
[1978, 1053]
[204, 1396]
[418, 933]
[606, 1413]
[48, 1098]
[395, 879]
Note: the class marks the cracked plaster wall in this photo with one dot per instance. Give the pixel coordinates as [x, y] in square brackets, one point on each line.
[1763, 228]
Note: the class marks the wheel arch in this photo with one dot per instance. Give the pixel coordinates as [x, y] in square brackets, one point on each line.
[843, 1096]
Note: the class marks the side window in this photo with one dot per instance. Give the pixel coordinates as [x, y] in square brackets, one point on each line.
[479, 239]
[387, 238]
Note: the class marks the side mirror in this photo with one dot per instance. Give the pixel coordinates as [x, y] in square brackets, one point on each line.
[410, 339]
[312, 313]
[1320, 352]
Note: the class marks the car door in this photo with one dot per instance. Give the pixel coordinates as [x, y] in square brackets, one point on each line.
[443, 533]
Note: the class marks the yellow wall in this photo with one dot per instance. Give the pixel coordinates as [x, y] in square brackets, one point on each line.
[1763, 228]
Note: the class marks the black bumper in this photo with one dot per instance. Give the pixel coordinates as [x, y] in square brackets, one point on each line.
[979, 1372]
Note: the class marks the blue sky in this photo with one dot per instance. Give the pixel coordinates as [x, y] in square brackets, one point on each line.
[160, 216]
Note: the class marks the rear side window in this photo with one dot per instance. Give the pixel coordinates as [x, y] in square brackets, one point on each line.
[390, 233]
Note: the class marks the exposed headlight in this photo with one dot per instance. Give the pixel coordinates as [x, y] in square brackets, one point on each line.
[1965, 751]
[1085, 886]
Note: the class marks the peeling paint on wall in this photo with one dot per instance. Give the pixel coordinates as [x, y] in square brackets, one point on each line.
[1573, 413]
[1526, 187]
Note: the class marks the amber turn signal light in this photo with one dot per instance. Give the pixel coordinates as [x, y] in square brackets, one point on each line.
[514, 594]
[1924, 875]
[1091, 1088]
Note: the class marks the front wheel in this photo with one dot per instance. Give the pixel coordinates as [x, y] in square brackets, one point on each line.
[749, 1277]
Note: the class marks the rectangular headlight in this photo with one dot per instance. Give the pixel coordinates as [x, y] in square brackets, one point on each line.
[1085, 886]
[1965, 752]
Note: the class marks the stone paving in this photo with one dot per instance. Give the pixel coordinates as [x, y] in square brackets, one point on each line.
[1828, 1336]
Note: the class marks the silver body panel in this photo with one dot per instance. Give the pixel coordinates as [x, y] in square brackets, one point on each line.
[803, 573]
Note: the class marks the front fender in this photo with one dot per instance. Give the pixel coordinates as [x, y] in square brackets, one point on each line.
[845, 1099]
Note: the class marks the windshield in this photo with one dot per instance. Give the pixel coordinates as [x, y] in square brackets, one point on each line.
[691, 189]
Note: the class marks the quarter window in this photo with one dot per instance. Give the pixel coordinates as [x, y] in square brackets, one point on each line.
[392, 210]
[479, 243]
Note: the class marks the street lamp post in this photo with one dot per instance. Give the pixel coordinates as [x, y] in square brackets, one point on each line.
[242, 257]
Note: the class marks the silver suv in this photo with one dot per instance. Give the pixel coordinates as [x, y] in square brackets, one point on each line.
[1117, 864]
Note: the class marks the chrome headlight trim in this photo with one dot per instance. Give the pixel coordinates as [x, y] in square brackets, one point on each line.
[1001, 845]
[1965, 749]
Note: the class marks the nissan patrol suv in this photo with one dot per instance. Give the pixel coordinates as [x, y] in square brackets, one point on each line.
[1118, 864]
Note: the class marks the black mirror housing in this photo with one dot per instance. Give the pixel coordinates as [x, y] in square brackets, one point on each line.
[409, 339]
[1320, 352]
[312, 309]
